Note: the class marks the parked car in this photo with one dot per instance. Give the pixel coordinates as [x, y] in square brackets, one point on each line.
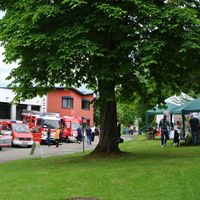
[18, 131]
[5, 138]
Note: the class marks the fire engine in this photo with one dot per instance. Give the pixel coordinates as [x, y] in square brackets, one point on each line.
[15, 133]
[69, 127]
[39, 123]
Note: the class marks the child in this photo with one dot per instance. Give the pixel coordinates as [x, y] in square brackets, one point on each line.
[177, 129]
[176, 138]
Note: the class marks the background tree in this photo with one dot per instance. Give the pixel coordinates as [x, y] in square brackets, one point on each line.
[144, 48]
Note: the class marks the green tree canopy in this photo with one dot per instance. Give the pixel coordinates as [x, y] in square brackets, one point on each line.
[144, 48]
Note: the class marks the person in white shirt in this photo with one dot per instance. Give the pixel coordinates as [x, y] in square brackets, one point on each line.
[93, 133]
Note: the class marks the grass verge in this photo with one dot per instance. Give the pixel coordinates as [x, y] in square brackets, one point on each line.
[144, 171]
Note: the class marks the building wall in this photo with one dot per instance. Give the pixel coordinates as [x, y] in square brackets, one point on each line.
[51, 103]
[9, 110]
[54, 104]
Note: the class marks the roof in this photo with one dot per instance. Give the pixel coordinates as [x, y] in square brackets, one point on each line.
[7, 96]
[189, 107]
[179, 100]
[77, 90]
[159, 111]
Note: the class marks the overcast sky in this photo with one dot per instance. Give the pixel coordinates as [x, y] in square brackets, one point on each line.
[4, 68]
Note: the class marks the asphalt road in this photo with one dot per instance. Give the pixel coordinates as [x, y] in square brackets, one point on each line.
[17, 153]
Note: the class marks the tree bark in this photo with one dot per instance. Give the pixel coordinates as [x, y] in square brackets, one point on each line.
[108, 119]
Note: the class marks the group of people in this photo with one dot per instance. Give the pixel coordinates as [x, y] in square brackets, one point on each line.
[165, 127]
[129, 130]
[58, 137]
[89, 132]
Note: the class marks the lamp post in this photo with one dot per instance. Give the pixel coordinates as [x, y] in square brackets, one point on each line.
[83, 136]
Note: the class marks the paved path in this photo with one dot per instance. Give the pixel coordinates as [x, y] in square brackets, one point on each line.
[17, 153]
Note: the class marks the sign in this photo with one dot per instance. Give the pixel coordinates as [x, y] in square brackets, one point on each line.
[34, 146]
[33, 149]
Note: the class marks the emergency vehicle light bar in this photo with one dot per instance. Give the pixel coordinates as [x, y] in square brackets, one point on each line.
[47, 114]
[33, 112]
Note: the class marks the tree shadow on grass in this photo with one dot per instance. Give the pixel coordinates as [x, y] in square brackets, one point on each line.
[124, 156]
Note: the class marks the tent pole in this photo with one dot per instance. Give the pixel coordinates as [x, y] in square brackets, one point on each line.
[171, 120]
[147, 119]
[183, 119]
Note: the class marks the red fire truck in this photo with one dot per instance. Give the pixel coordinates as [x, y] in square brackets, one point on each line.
[40, 122]
[69, 127]
[15, 133]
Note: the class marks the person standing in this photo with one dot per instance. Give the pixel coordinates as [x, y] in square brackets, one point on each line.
[89, 135]
[79, 134]
[124, 130]
[177, 132]
[93, 133]
[49, 137]
[97, 131]
[57, 136]
[131, 129]
[119, 139]
[164, 125]
[194, 129]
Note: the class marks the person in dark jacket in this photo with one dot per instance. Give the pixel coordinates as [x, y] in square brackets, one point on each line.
[164, 125]
[79, 134]
[49, 137]
[89, 135]
[194, 122]
[119, 139]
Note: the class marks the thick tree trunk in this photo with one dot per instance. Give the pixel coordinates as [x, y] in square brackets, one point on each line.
[108, 119]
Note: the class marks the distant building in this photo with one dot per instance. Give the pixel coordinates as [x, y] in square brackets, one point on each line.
[9, 110]
[71, 102]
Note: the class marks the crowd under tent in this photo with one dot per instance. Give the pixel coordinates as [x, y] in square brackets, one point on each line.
[187, 108]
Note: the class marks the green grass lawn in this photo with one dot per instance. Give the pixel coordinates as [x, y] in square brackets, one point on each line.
[146, 171]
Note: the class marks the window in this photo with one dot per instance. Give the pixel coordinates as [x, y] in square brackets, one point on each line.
[67, 102]
[85, 104]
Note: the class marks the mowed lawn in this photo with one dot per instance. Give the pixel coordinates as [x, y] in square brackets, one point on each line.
[146, 171]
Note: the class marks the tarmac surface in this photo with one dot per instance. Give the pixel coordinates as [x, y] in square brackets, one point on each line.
[17, 153]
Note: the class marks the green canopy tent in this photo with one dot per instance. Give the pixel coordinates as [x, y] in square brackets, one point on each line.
[159, 111]
[187, 108]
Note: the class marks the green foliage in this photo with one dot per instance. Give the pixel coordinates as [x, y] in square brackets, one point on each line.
[145, 50]
[74, 3]
[133, 44]
[126, 113]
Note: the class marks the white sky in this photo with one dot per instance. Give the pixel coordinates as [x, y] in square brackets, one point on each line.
[4, 68]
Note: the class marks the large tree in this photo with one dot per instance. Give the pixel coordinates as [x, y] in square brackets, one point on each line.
[145, 48]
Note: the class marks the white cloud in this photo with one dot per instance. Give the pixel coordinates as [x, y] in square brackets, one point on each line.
[4, 69]
[2, 14]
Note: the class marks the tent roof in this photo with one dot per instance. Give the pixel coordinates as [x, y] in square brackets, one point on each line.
[159, 111]
[189, 107]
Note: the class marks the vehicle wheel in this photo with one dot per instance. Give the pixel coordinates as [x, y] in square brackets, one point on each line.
[67, 140]
[0, 148]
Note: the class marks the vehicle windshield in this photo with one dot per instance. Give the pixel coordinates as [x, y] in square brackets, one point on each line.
[75, 126]
[21, 128]
[50, 123]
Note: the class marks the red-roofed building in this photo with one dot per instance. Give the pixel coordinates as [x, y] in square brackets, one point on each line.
[71, 102]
